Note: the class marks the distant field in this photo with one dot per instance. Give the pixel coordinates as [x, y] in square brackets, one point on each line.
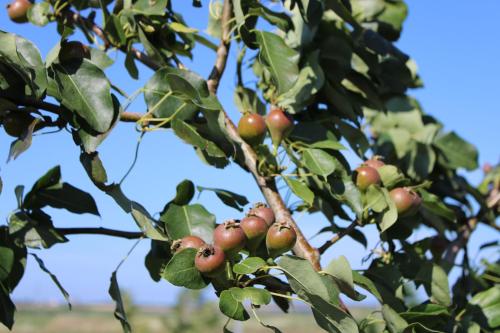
[99, 319]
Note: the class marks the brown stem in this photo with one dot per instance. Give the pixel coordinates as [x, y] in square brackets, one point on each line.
[100, 231]
[267, 186]
[56, 109]
[337, 237]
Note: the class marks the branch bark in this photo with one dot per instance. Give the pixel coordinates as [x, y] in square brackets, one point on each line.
[267, 186]
[100, 231]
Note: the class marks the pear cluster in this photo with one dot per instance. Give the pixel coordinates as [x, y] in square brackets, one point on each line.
[253, 127]
[257, 233]
[406, 200]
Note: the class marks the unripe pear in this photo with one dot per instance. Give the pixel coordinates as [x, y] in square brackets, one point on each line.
[280, 124]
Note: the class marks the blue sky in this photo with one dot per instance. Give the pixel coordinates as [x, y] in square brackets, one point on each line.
[454, 43]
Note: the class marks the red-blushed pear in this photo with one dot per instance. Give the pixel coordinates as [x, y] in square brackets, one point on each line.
[191, 242]
[366, 176]
[210, 260]
[406, 200]
[252, 128]
[263, 211]
[230, 237]
[18, 10]
[255, 229]
[280, 124]
[375, 162]
[280, 238]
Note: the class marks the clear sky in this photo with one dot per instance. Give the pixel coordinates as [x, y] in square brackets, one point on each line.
[455, 44]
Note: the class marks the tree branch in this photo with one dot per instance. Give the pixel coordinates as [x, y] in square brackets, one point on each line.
[267, 186]
[57, 109]
[337, 237]
[100, 231]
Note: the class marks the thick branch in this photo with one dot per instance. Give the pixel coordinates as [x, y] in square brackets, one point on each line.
[76, 18]
[337, 237]
[267, 186]
[100, 231]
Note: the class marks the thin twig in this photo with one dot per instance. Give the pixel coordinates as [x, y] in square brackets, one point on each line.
[58, 110]
[100, 231]
[338, 237]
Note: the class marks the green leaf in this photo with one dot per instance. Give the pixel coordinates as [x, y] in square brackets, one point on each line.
[181, 271]
[7, 308]
[489, 301]
[120, 314]
[146, 222]
[310, 81]
[157, 258]
[301, 190]
[189, 134]
[390, 214]
[395, 324]
[366, 284]
[24, 58]
[20, 145]
[100, 58]
[310, 286]
[184, 194]
[38, 14]
[341, 270]
[35, 231]
[328, 144]
[435, 205]
[457, 152]
[63, 196]
[232, 308]
[280, 59]
[256, 296]
[249, 265]
[94, 168]
[390, 175]
[375, 199]
[53, 278]
[85, 90]
[231, 199]
[435, 282]
[187, 220]
[318, 162]
[6, 262]
[50, 178]
[342, 273]
[149, 8]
